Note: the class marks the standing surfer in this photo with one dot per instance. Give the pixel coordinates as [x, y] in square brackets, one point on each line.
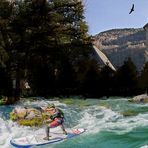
[56, 119]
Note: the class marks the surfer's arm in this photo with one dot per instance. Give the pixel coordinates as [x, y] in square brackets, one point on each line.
[48, 120]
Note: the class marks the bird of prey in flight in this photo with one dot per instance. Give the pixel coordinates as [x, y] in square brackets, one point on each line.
[132, 9]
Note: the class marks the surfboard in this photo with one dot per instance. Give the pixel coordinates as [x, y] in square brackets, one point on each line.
[37, 140]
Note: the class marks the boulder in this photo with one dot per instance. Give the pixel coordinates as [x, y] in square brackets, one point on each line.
[28, 116]
[143, 98]
[3, 100]
[20, 113]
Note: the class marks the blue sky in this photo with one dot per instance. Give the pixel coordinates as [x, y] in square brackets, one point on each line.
[102, 15]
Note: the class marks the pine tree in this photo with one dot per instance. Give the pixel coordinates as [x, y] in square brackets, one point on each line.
[127, 78]
[143, 80]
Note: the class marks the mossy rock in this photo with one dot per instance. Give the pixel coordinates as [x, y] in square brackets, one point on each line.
[84, 104]
[30, 122]
[143, 98]
[131, 100]
[104, 104]
[80, 102]
[146, 100]
[26, 122]
[138, 101]
[13, 116]
[129, 113]
[3, 100]
[67, 101]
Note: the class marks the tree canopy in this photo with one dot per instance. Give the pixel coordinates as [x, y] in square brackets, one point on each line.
[46, 44]
[42, 40]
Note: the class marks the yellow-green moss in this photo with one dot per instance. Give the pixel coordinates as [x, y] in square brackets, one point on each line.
[38, 121]
[84, 104]
[81, 103]
[31, 122]
[145, 100]
[3, 100]
[103, 104]
[34, 121]
[130, 100]
[129, 113]
[67, 101]
[13, 116]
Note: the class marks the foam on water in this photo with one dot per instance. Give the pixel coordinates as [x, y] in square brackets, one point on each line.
[97, 118]
[145, 146]
[94, 118]
[10, 130]
[105, 119]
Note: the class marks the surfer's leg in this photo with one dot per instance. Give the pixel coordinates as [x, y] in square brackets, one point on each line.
[63, 129]
[47, 133]
[51, 125]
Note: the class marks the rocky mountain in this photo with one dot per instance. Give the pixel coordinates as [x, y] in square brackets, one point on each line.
[120, 44]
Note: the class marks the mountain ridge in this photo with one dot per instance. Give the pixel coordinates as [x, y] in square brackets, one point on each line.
[120, 44]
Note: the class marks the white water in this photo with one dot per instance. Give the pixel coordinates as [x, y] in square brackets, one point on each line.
[94, 118]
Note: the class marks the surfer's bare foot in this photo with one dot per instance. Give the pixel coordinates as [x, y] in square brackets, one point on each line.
[64, 132]
[46, 138]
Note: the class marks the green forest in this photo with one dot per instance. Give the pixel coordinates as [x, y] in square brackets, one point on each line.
[46, 44]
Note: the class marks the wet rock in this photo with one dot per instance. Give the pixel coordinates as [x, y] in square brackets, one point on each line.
[143, 98]
[28, 116]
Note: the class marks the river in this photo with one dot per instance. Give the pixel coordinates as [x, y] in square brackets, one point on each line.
[110, 123]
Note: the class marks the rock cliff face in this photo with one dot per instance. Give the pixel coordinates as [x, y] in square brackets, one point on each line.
[120, 44]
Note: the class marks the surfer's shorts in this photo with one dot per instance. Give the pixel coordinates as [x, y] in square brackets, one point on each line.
[56, 122]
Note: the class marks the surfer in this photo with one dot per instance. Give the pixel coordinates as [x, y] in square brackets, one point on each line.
[56, 119]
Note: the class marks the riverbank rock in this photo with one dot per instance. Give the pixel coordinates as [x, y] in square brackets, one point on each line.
[3, 100]
[29, 116]
[140, 99]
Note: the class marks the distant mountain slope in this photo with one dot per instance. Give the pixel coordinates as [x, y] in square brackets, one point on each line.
[119, 44]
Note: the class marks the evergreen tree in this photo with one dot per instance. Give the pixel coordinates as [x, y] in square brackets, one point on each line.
[7, 63]
[143, 79]
[127, 78]
[88, 74]
[42, 41]
[106, 81]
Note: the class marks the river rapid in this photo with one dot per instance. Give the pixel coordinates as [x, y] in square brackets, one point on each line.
[109, 123]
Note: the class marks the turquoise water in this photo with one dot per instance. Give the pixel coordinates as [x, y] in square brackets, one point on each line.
[110, 123]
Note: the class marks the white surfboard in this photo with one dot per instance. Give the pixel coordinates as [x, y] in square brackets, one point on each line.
[37, 140]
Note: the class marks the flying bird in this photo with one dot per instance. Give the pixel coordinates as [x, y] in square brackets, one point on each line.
[132, 9]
